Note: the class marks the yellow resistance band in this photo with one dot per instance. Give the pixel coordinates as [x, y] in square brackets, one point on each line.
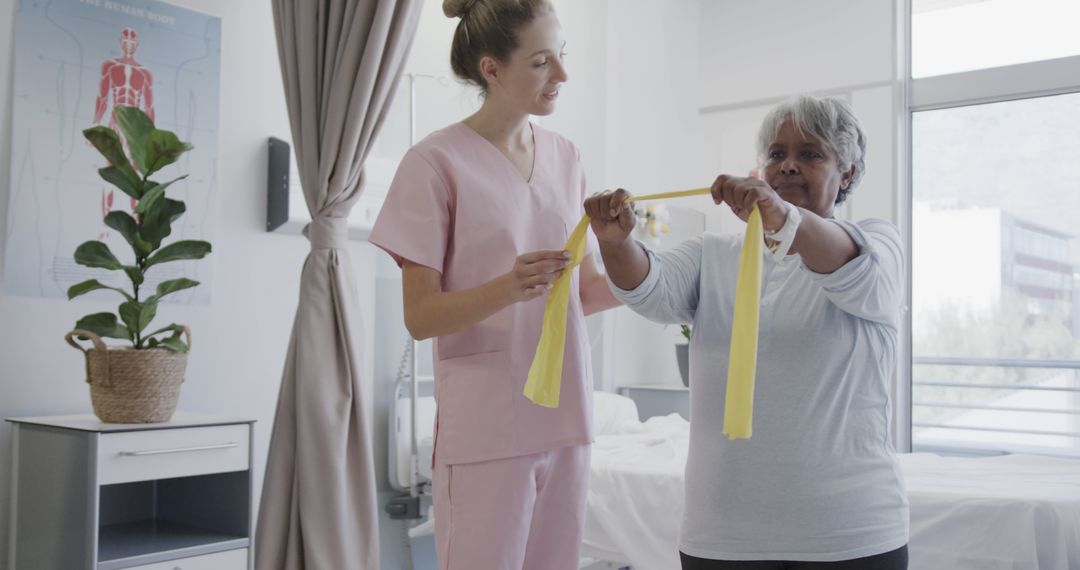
[742, 357]
[545, 375]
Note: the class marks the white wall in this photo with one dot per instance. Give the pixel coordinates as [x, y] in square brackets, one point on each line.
[241, 337]
[762, 50]
[653, 145]
[755, 54]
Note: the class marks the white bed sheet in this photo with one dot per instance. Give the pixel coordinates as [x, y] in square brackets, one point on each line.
[1013, 512]
[635, 500]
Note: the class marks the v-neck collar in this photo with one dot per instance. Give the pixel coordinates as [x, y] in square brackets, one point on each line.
[509, 163]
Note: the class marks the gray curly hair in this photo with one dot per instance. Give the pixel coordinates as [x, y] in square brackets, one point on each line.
[828, 119]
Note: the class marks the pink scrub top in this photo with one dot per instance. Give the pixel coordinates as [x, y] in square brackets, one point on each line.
[459, 206]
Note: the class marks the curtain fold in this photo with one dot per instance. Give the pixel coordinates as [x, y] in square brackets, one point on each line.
[341, 61]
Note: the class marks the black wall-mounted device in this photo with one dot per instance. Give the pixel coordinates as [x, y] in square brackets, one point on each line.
[277, 183]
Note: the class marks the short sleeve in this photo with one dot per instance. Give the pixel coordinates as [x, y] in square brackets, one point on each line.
[414, 222]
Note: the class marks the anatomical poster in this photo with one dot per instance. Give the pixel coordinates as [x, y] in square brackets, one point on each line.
[75, 62]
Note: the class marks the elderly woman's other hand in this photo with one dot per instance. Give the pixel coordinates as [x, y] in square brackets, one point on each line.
[612, 216]
[741, 193]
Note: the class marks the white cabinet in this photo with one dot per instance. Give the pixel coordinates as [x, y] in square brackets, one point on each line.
[93, 496]
[227, 559]
[166, 454]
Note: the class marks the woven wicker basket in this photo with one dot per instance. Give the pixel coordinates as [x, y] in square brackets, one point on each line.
[129, 386]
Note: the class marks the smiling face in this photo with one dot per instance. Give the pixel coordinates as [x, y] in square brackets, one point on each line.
[530, 78]
[803, 170]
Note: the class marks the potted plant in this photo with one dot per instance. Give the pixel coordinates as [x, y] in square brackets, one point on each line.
[682, 352]
[138, 383]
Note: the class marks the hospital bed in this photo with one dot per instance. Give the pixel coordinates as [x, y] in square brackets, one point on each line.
[1015, 512]
[411, 444]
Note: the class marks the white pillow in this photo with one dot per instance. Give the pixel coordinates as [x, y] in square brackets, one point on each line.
[614, 414]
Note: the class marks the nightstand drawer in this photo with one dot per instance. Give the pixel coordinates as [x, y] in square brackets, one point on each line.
[228, 560]
[164, 454]
[659, 400]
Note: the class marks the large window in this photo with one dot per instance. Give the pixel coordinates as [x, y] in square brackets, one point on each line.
[951, 36]
[995, 226]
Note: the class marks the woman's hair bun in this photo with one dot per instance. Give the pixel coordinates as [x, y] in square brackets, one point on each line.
[457, 8]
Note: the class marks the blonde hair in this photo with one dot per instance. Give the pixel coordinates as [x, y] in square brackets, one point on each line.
[488, 27]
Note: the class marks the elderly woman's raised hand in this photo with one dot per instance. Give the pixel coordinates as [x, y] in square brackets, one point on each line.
[612, 215]
[741, 193]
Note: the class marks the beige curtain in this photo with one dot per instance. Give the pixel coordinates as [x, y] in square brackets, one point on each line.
[341, 61]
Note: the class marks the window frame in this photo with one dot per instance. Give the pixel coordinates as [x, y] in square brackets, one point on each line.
[976, 87]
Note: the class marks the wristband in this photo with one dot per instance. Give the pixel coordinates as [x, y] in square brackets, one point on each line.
[785, 236]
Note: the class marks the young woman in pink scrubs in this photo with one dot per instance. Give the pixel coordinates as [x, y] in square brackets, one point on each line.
[477, 217]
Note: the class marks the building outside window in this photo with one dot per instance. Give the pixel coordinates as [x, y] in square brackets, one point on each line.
[995, 221]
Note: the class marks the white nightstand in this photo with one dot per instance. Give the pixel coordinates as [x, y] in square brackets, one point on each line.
[94, 496]
[658, 399]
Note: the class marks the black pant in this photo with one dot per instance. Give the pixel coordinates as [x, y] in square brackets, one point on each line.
[895, 560]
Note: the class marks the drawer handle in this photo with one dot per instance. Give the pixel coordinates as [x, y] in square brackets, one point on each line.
[228, 445]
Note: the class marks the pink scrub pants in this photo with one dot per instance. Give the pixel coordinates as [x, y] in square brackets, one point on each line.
[518, 513]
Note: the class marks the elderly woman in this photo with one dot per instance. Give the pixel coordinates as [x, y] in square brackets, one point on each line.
[817, 486]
